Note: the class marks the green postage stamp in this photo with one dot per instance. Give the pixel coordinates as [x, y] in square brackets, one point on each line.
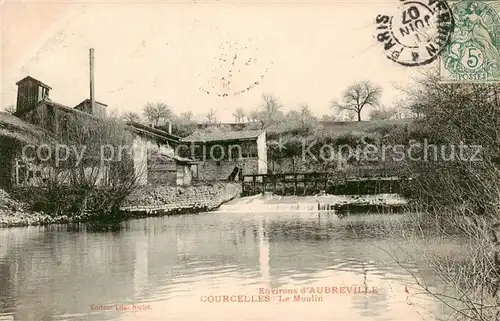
[473, 52]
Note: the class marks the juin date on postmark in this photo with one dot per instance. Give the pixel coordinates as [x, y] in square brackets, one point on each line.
[417, 33]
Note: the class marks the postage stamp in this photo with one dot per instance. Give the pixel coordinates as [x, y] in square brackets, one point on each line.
[417, 33]
[473, 54]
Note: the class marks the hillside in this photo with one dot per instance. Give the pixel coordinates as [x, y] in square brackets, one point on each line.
[328, 127]
[342, 127]
[14, 128]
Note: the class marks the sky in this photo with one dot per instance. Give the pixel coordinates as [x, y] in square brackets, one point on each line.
[196, 55]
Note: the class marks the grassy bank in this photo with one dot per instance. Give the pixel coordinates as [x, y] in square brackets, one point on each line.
[17, 213]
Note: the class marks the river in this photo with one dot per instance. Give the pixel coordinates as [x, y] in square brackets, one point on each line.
[180, 267]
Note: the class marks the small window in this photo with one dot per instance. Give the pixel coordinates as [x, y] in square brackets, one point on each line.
[249, 149]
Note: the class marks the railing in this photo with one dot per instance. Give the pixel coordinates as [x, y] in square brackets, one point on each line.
[315, 182]
[308, 182]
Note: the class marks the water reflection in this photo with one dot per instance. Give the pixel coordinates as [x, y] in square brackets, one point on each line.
[263, 252]
[169, 263]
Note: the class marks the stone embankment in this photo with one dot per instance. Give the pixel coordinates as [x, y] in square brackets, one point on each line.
[145, 201]
[180, 199]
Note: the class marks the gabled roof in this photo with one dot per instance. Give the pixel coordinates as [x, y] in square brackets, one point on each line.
[222, 136]
[33, 79]
[48, 102]
[151, 131]
[176, 158]
[133, 126]
[88, 100]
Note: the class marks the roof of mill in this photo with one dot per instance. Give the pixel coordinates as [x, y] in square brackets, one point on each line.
[135, 127]
[35, 80]
[154, 131]
[222, 136]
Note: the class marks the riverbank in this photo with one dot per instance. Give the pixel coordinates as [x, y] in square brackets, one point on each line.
[150, 201]
[15, 213]
[168, 200]
[144, 202]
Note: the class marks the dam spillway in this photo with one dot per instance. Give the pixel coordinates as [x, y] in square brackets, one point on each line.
[310, 204]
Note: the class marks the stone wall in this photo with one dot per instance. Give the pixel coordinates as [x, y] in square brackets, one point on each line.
[299, 165]
[213, 171]
[7, 152]
[169, 198]
[262, 154]
[162, 175]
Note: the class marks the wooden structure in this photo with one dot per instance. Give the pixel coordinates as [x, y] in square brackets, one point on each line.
[287, 183]
[314, 183]
[219, 153]
[30, 92]
[36, 108]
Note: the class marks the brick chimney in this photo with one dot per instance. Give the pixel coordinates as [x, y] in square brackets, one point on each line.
[164, 123]
[29, 93]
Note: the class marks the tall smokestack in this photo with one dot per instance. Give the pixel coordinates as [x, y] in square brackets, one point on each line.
[91, 64]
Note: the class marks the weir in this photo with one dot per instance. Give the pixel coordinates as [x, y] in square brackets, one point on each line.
[334, 204]
[314, 183]
[300, 206]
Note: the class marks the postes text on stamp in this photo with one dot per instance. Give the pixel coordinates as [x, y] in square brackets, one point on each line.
[473, 54]
[417, 33]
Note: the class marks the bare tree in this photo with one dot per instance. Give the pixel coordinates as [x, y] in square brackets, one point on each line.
[254, 115]
[416, 109]
[185, 124]
[239, 115]
[155, 112]
[131, 117]
[306, 118]
[187, 116]
[94, 176]
[270, 111]
[305, 114]
[271, 104]
[211, 116]
[463, 183]
[328, 118]
[382, 113]
[357, 96]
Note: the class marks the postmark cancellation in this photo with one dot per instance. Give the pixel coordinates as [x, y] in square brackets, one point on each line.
[417, 32]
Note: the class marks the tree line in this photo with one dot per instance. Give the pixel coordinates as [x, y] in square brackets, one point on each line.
[353, 103]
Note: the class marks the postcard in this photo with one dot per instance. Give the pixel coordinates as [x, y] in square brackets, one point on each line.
[290, 160]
